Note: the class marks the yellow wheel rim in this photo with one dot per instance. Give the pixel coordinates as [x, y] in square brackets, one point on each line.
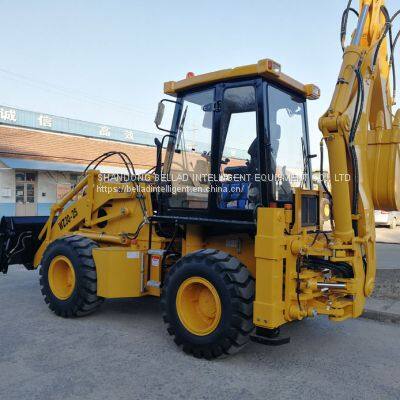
[61, 277]
[198, 306]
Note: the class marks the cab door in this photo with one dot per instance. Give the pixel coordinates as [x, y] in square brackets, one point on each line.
[239, 133]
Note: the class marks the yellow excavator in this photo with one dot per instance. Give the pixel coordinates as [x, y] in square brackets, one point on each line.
[228, 228]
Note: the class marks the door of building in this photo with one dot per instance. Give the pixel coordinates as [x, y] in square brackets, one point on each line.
[25, 193]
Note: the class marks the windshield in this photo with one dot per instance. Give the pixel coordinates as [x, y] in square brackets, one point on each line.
[188, 159]
[289, 147]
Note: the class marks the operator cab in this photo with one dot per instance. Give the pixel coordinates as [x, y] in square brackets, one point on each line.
[238, 140]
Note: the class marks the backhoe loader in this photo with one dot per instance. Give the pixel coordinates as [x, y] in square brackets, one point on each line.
[227, 228]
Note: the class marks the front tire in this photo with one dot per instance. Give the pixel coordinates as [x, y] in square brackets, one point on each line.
[207, 302]
[68, 277]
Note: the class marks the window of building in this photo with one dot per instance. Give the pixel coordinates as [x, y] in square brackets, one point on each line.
[25, 176]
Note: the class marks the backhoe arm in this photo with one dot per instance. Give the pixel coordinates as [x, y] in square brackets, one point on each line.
[362, 137]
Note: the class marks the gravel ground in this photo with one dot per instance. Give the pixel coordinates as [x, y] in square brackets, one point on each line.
[124, 352]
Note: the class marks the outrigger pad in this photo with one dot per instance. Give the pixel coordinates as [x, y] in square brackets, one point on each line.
[19, 240]
[269, 337]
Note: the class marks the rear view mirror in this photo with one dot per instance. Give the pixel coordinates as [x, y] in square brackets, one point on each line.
[160, 114]
[169, 111]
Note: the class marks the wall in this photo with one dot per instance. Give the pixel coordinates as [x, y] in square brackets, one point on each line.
[47, 189]
[7, 191]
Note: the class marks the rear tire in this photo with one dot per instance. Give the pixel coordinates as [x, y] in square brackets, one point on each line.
[75, 263]
[232, 294]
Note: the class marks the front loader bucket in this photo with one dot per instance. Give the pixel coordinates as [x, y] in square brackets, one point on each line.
[19, 240]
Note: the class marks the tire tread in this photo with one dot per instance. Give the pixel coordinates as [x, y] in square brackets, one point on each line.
[241, 287]
[87, 301]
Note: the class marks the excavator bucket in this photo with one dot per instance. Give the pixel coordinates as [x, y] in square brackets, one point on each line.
[19, 240]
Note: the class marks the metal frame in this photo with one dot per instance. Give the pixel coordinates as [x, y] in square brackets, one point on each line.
[213, 212]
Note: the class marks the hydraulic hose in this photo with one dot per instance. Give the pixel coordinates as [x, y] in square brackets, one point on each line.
[343, 269]
[345, 17]
[321, 169]
[393, 65]
[386, 14]
[354, 161]
[323, 183]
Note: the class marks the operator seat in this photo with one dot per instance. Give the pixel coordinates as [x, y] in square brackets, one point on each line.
[275, 135]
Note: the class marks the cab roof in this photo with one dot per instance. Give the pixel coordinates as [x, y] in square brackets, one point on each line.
[265, 68]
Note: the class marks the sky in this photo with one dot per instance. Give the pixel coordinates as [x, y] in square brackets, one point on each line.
[106, 61]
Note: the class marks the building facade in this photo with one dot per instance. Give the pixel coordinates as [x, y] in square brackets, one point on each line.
[42, 157]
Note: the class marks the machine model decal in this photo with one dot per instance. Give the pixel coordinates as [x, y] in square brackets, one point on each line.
[64, 222]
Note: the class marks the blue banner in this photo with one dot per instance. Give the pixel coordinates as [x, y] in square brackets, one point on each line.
[30, 119]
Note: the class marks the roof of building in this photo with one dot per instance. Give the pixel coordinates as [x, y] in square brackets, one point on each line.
[63, 148]
[39, 165]
[265, 68]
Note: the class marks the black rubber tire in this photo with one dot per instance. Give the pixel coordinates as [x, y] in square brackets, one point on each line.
[84, 299]
[235, 287]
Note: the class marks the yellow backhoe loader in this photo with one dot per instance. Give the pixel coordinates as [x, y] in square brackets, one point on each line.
[227, 229]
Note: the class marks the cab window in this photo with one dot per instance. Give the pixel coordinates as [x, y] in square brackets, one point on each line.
[191, 153]
[238, 159]
[287, 135]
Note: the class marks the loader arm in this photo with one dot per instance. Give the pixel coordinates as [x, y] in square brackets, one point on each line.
[78, 212]
[362, 138]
